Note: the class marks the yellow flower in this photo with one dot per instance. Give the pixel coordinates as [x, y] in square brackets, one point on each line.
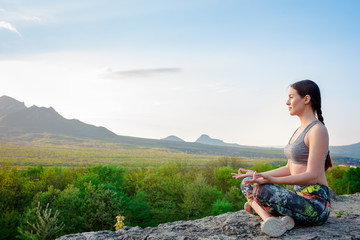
[119, 222]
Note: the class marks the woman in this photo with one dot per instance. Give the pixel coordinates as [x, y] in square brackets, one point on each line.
[308, 159]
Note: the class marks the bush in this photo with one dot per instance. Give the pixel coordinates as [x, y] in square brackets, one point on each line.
[69, 203]
[220, 206]
[198, 197]
[224, 179]
[236, 198]
[45, 225]
[100, 207]
[139, 211]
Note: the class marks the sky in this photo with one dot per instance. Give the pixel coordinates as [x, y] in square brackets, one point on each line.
[156, 68]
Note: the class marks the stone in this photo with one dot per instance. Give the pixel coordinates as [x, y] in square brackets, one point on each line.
[343, 223]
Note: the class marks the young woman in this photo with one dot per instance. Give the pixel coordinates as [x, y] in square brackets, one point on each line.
[308, 159]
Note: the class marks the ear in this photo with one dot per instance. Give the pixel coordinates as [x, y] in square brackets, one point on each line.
[307, 99]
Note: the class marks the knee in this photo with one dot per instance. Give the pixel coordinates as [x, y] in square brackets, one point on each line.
[265, 192]
[244, 187]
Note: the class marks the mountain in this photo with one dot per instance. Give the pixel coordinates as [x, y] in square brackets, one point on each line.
[17, 119]
[9, 105]
[352, 150]
[21, 123]
[173, 138]
[205, 139]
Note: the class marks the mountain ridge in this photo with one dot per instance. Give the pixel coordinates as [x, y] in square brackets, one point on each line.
[206, 139]
[173, 138]
[17, 120]
[41, 119]
[9, 105]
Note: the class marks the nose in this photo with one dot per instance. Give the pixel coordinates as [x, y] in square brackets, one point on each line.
[288, 102]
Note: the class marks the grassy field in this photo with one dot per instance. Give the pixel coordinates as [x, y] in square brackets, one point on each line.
[78, 152]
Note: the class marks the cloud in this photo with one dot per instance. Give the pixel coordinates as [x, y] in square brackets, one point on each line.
[10, 27]
[138, 73]
[33, 19]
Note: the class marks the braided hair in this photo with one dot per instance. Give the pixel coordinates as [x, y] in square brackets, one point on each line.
[308, 87]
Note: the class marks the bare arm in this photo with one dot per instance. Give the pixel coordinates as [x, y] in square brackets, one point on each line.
[279, 172]
[282, 171]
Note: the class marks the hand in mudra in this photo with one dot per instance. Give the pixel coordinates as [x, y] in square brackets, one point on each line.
[243, 173]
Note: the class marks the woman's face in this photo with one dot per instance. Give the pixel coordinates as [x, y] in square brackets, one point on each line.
[295, 102]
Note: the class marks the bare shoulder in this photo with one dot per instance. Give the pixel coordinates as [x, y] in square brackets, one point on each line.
[319, 128]
[318, 131]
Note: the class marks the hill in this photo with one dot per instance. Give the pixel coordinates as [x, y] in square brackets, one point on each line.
[17, 119]
[352, 150]
[173, 138]
[205, 139]
[20, 123]
[9, 105]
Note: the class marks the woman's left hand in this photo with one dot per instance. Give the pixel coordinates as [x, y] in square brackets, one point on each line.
[259, 178]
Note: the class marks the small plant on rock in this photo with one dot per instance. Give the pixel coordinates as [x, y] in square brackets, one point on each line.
[119, 222]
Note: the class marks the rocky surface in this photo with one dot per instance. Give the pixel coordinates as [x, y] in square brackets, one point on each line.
[344, 223]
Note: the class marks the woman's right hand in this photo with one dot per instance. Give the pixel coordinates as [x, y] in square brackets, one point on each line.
[243, 173]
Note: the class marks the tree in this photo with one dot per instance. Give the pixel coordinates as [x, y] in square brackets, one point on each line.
[100, 207]
[45, 226]
[139, 211]
[220, 206]
[236, 198]
[224, 179]
[198, 197]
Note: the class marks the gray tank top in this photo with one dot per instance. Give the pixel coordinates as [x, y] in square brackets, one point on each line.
[297, 152]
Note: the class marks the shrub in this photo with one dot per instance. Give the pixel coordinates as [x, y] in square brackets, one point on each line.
[198, 197]
[220, 206]
[44, 226]
[236, 198]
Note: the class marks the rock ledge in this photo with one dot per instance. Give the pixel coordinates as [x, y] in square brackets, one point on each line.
[344, 223]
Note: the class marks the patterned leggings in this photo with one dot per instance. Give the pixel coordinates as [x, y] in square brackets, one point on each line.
[307, 204]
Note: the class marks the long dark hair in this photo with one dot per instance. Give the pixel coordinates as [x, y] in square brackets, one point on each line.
[308, 87]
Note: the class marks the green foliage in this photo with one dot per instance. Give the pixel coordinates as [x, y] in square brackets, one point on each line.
[262, 167]
[111, 176]
[198, 198]
[163, 187]
[352, 178]
[235, 197]
[45, 226]
[148, 186]
[233, 162]
[344, 180]
[100, 207]
[44, 198]
[33, 173]
[224, 179]
[59, 177]
[139, 211]
[9, 220]
[220, 206]
[16, 192]
[91, 153]
[70, 203]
